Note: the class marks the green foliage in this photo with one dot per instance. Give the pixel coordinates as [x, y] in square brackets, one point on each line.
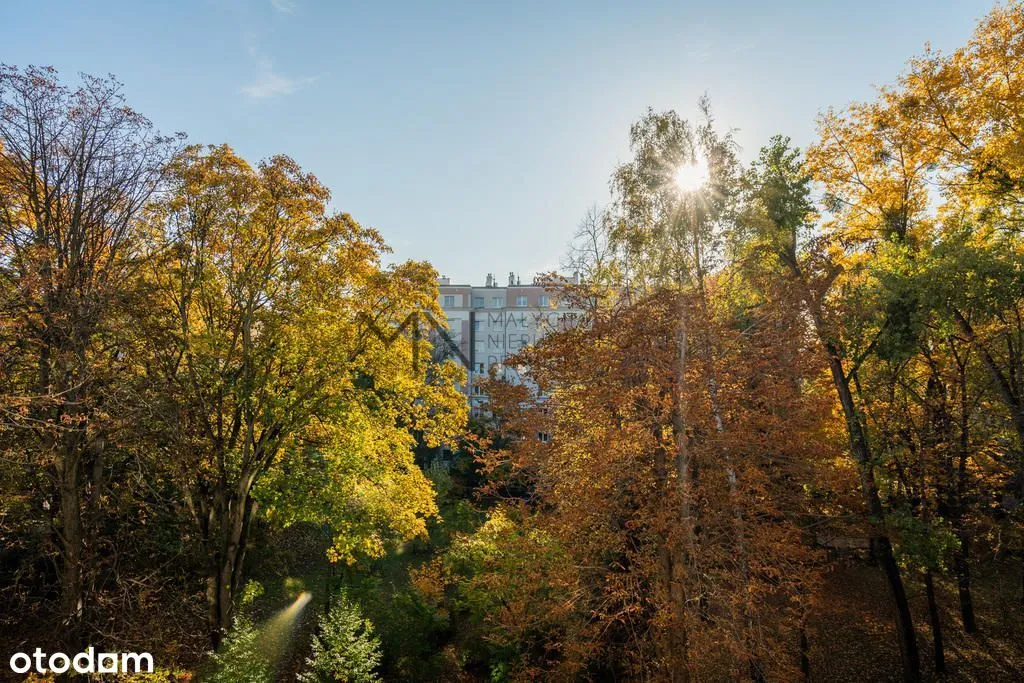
[186, 368]
[923, 544]
[252, 591]
[413, 631]
[293, 586]
[975, 270]
[667, 235]
[506, 587]
[438, 475]
[902, 308]
[779, 209]
[159, 675]
[241, 657]
[345, 648]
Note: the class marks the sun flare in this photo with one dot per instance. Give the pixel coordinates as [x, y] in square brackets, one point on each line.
[690, 177]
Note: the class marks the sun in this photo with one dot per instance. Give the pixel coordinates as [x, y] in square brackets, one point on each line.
[690, 177]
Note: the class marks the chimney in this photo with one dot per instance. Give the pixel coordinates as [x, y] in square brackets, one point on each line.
[490, 280]
[511, 278]
[444, 280]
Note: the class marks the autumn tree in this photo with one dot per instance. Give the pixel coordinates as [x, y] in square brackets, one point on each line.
[269, 380]
[827, 277]
[923, 195]
[76, 170]
[668, 237]
[666, 475]
[596, 490]
[965, 106]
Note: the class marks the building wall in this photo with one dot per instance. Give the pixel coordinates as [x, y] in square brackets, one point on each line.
[488, 332]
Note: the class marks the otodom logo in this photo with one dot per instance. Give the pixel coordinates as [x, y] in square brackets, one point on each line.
[86, 662]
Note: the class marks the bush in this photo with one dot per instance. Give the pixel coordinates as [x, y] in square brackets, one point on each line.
[345, 647]
[241, 656]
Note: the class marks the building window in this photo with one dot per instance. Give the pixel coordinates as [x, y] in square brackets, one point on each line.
[497, 302]
[521, 301]
[542, 300]
[449, 301]
[476, 325]
[543, 437]
[480, 368]
[478, 302]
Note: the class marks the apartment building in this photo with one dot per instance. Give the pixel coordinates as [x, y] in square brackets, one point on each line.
[493, 322]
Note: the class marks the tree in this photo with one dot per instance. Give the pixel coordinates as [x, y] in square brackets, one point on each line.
[598, 490]
[669, 238]
[244, 655]
[662, 478]
[344, 647]
[823, 275]
[945, 137]
[76, 170]
[925, 181]
[265, 373]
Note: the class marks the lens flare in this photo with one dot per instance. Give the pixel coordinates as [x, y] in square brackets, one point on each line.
[284, 621]
[276, 634]
[691, 177]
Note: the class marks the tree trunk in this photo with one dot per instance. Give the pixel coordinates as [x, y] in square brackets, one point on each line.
[68, 470]
[73, 544]
[962, 556]
[678, 565]
[676, 636]
[936, 623]
[910, 658]
[218, 597]
[1010, 392]
[805, 658]
[754, 664]
[93, 511]
[226, 568]
[881, 546]
[679, 423]
[962, 570]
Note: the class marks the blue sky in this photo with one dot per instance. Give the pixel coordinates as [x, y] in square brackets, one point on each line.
[476, 135]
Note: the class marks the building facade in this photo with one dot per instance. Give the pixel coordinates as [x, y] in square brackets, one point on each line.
[493, 322]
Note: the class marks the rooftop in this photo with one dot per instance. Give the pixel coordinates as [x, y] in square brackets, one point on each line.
[513, 281]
